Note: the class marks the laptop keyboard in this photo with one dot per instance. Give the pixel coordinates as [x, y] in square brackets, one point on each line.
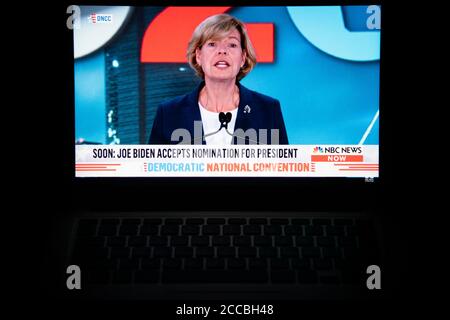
[288, 251]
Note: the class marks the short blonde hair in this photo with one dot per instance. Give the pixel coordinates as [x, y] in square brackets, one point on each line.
[215, 27]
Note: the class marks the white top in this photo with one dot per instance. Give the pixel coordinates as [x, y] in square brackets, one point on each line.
[211, 124]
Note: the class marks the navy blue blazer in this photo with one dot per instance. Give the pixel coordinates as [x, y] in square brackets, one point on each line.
[255, 111]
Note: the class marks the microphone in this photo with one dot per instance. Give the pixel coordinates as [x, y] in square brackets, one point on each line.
[224, 120]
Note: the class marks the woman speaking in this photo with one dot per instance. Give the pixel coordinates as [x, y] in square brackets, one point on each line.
[220, 111]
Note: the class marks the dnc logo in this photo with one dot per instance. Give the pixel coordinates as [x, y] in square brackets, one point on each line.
[100, 18]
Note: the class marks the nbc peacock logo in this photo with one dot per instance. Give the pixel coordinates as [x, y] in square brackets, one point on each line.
[318, 149]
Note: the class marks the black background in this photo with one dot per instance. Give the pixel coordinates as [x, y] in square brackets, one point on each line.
[43, 190]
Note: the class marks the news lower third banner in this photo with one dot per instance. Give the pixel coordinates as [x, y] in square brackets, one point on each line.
[226, 161]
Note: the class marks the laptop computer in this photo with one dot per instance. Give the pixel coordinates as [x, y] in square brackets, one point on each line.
[236, 221]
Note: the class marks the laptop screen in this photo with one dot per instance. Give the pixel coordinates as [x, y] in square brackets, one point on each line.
[279, 91]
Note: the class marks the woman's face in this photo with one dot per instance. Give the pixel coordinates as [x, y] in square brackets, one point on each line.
[221, 59]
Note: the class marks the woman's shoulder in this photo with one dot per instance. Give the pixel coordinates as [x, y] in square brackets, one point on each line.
[187, 100]
[174, 102]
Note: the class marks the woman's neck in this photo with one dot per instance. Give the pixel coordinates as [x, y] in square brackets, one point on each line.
[219, 96]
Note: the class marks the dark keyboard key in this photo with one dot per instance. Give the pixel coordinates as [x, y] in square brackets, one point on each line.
[211, 230]
[267, 252]
[128, 229]
[246, 252]
[116, 241]
[284, 276]
[272, 230]
[184, 252]
[310, 252]
[301, 264]
[226, 252]
[195, 221]
[322, 264]
[190, 230]
[335, 230]
[283, 241]
[252, 229]
[174, 221]
[199, 241]
[171, 263]
[293, 230]
[304, 241]
[237, 221]
[160, 252]
[202, 252]
[262, 241]
[148, 229]
[137, 241]
[257, 221]
[120, 252]
[314, 230]
[321, 222]
[107, 230]
[151, 263]
[169, 230]
[279, 263]
[215, 221]
[307, 276]
[242, 241]
[279, 221]
[326, 242]
[215, 276]
[221, 240]
[147, 276]
[257, 263]
[215, 263]
[193, 263]
[179, 241]
[157, 241]
[289, 252]
[236, 263]
[141, 252]
[131, 264]
[231, 229]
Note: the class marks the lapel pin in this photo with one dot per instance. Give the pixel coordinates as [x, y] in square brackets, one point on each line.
[247, 109]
